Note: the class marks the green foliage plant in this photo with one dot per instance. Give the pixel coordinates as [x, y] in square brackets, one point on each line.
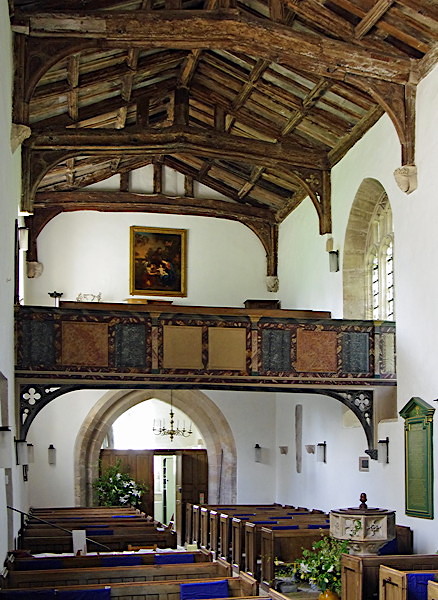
[114, 487]
[322, 564]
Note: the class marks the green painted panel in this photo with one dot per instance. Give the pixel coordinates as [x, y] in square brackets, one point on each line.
[418, 417]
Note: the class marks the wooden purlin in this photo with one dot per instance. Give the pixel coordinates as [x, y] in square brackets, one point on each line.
[228, 30]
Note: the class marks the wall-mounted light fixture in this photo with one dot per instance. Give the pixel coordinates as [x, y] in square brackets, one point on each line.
[333, 255]
[51, 453]
[321, 452]
[284, 449]
[30, 454]
[258, 453]
[383, 451]
[21, 452]
[6, 459]
[334, 261]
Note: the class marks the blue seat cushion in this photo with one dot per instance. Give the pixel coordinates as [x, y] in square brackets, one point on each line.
[204, 589]
[97, 594]
[121, 560]
[281, 527]
[417, 585]
[173, 559]
[38, 565]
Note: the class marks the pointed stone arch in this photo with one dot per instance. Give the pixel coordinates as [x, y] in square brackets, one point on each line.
[215, 430]
[368, 195]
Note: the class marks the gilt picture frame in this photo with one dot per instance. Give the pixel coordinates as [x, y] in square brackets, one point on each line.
[158, 261]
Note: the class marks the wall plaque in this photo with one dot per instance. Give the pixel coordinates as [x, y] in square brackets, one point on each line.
[418, 416]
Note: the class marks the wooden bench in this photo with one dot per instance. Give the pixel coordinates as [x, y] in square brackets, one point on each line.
[97, 560]
[432, 590]
[59, 542]
[360, 574]
[286, 545]
[238, 587]
[396, 584]
[252, 549]
[117, 574]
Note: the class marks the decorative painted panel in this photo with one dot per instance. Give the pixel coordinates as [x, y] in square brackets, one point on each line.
[276, 350]
[316, 351]
[355, 352]
[130, 345]
[38, 343]
[85, 344]
[227, 348]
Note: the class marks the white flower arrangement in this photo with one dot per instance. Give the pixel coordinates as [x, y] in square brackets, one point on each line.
[116, 488]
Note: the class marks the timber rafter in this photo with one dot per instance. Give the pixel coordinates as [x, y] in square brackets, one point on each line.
[256, 100]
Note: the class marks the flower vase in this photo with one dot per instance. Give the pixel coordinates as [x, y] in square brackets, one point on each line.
[328, 595]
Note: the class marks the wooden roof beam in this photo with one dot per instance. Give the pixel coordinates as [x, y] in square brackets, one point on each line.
[371, 18]
[208, 143]
[227, 29]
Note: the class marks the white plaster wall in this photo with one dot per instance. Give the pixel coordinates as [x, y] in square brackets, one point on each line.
[88, 252]
[337, 483]
[415, 216]
[58, 423]
[9, 197]
[250, 416]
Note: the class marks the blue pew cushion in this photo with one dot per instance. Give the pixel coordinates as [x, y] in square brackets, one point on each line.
[121, 560]
[316, 526]
[38, 565]
[281, 527]
[204, 589]
[389, 548]
[173, 559]
[91, 532]
[97, 594]
[417, 585]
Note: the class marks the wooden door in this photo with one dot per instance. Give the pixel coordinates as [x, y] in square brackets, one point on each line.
[191, 484]
[140, 466]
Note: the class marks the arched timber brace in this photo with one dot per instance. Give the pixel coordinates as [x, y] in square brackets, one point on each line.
[35, 396]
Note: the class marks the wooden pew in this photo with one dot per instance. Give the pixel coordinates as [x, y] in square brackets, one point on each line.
[252, 537]
[96, 560]
[238, 587]
[360, 574]
[394, 584]
[286, 545]
[117, 574]
[432, 590]
[62, 542]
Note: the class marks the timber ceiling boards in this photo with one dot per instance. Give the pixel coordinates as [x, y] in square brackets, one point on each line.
[254, 99]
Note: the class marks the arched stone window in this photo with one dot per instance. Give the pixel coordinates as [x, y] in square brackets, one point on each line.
[369, 255]
[379, 259]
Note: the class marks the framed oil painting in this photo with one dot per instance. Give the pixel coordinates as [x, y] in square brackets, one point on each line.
[158, 261]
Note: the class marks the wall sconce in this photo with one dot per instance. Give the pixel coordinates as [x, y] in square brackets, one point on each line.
[383, 451]
[257, 453]
[51, 453]
[321, 452]
[334, 261]
[30, 454]
[6, 459]
[21, 452]
[23, 238]
[284, 449]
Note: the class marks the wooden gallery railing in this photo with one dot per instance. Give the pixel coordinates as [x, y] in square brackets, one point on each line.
[82, 345]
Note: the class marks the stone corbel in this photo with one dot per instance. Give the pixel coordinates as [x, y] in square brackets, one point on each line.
[406, 178]
[19, 133]
[272, 283]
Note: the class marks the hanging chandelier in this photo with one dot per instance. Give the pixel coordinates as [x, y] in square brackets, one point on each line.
[160, 428]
